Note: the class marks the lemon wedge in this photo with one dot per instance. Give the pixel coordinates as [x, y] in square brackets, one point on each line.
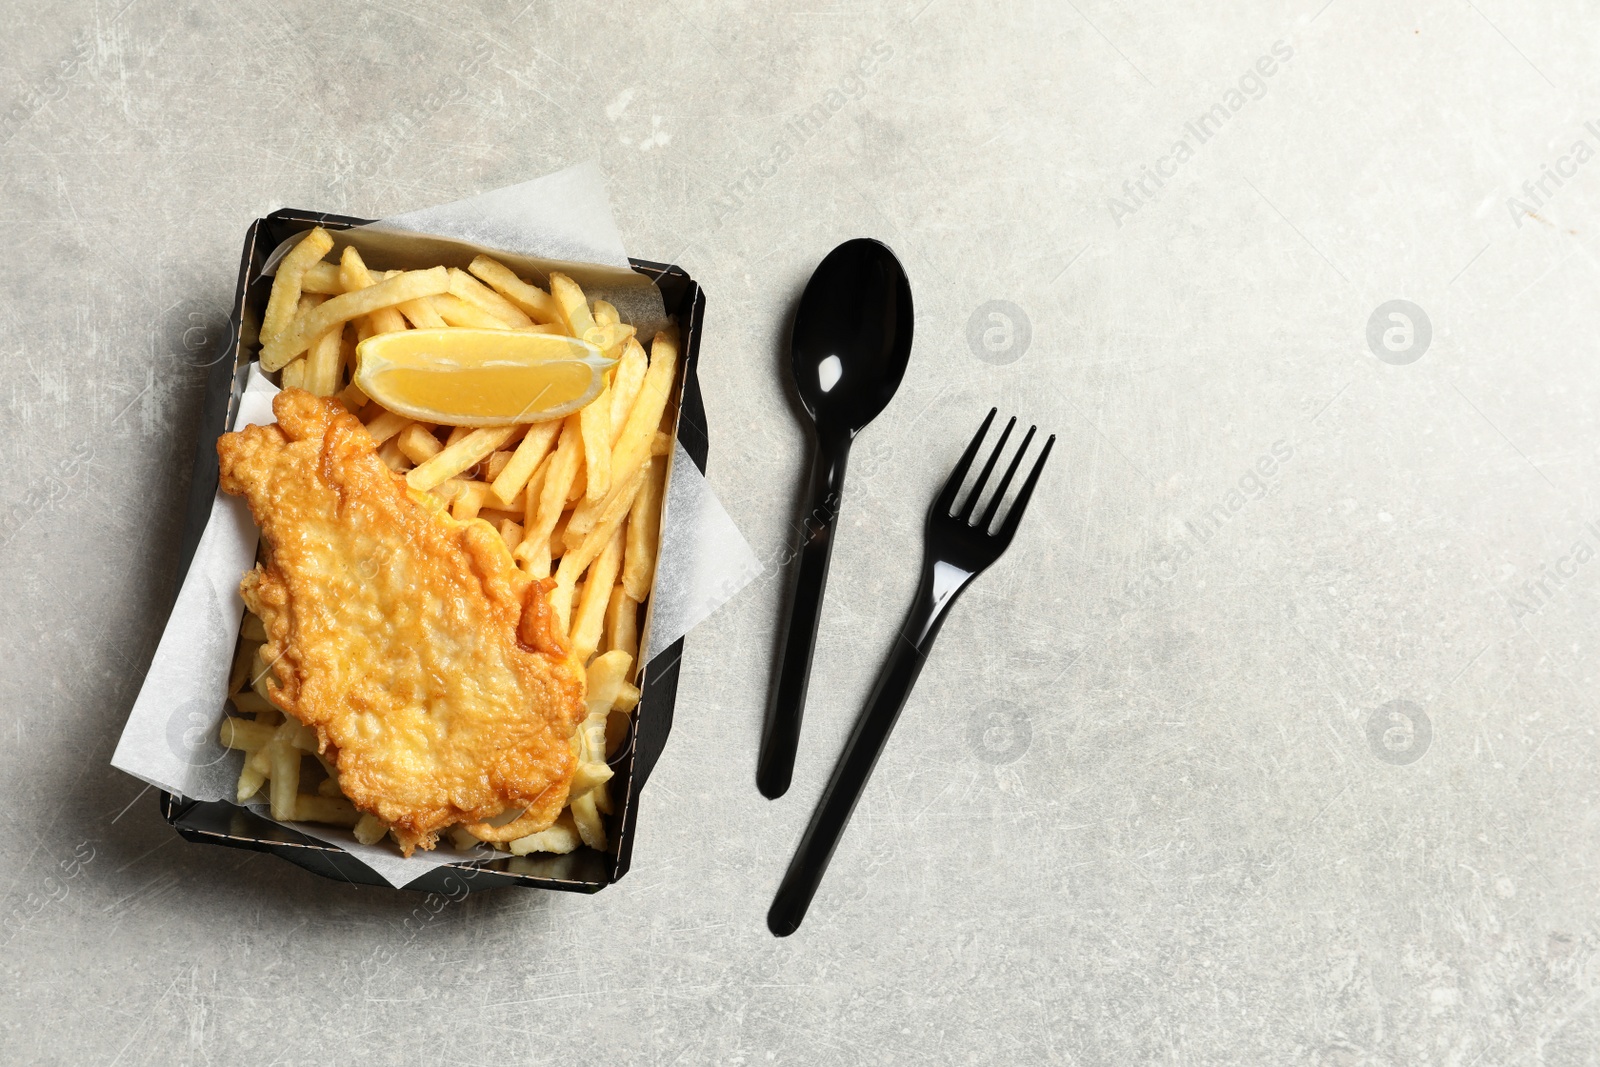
[464, 377]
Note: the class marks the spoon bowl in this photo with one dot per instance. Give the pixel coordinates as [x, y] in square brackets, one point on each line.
[852, 336]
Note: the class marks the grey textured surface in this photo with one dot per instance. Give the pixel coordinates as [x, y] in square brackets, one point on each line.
[1152, 800]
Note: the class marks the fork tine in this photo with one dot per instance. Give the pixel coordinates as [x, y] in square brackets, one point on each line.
[1014, 517]
[988, 468]
[1005, 483]
[945, 503]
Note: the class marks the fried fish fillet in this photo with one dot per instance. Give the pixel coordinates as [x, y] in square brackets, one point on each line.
[432, 669]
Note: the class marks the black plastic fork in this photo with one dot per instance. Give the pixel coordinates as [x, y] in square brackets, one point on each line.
[957, 550]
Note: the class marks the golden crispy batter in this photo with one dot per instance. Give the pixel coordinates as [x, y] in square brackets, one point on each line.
[429, 665]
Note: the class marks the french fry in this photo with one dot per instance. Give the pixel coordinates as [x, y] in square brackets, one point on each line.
[558, 536]
[513, 508]
[322, 277]
[495, 516]
[370, 829]
[576, 559]
[469, 501]
[510, 533]
[572, 305]
[623, 696]
[304, 738]
[589, 621]
[464, 286]
[464, 840]
[285, 775]
[391, 455]
[626, 379]
[251, 628]
[590, 826]
[472, 448]
[260, 761]
[534, 302]
[409, 285]
[508, 509]
[561, 604]
[561, 837]
[420, 313]
[580, 479]
[622, 620]
[595, 421]
[239, 673]
[336, 811]
[418, 444]
[294, 375]
[632, 449]
[322, 364]
[448, 490]
[605, 313]
[456, 433]
[558, 477]
[535, 445]
[592, 773]
[352, 397]
[605, 677]
[284, 300]
[386, 426]
[260, 673]
[530, 495]
[495, 464]
[660, 444]
[386, 320]
[457, 312]
[644, 533]
[353, 275]
[243, 735]
[250, 782]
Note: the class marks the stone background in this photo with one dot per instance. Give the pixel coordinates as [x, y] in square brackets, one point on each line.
[1308, 781]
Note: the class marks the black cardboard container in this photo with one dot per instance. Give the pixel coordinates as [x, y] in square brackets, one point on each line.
[222, 823]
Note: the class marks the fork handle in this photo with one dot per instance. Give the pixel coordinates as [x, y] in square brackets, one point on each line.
[861, 753]
[780, 733]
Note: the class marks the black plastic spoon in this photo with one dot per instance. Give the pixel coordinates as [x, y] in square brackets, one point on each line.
[849, 350]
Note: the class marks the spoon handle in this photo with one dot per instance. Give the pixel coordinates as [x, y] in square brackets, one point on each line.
[780, 733]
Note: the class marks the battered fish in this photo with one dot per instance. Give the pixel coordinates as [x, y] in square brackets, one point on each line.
[431, 667]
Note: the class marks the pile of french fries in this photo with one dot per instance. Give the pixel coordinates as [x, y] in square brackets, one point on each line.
[580, 496]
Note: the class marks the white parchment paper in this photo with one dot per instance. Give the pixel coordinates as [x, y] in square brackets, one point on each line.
[565, 216]
[170, 740]
[704, 559]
